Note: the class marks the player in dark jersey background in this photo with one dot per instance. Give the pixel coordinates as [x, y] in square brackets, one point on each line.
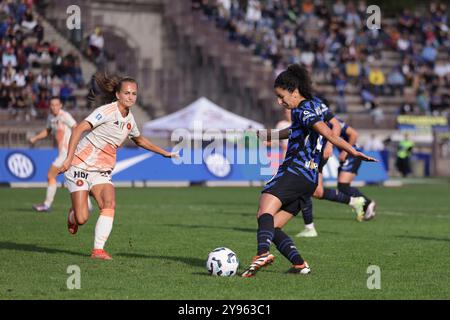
[355, 199]
[348, 169]
[296, 179]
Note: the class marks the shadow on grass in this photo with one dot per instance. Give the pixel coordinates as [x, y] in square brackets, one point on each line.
[195, 262]
[6, 245]
[423, 238]
[200, 226]
[337, 218]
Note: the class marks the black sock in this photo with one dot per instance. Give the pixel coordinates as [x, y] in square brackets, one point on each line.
[307, 211]
[336, 196]
[265, 232]
[287, 247]
[354, 192]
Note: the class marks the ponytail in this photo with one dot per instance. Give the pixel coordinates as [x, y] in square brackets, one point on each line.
[105, 87]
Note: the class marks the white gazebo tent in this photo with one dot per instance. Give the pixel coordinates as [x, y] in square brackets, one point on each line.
[201, 113]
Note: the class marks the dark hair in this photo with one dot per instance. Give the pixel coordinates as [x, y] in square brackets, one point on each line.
[55, 98]
[105, 87]
[295, 77]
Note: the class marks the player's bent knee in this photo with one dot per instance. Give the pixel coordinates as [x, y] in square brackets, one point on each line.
[108, 204]
[107, 212]
[51, 180]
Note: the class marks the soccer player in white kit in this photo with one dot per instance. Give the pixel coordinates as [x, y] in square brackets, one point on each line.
[90, 161]
[59, 123]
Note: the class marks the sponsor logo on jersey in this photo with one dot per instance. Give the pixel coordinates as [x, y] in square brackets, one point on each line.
[122, 124]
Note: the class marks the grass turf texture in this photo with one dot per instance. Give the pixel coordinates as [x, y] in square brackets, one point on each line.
[162, 236]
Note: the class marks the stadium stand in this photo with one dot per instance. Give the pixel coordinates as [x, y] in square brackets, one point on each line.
[372, 72]
[368, 77]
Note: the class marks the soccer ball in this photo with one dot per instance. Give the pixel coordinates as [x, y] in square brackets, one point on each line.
[222, 262]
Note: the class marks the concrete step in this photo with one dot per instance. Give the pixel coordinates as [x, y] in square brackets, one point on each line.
[53, 35]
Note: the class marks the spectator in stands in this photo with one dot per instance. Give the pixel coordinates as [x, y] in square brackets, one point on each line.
[43, 80]
[367, 96]
[66, 94]
[352, 18]
[353, 71]
[19, 79]
[377, 80]
[96, 43]
[42, 103]
[77, 73]
[39, 30]
[406, 21]
[429, 54]
[9, 58]
[339, 81]
[396, 81]
[8, 76]
[423, 101]
[331, 30]
[5, 99]
[29, 23]
[377, 113]
[307, 57]
[404, 45]
[339, 9]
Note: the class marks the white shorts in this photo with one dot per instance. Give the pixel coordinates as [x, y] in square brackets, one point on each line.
[78, 179]
[60, 159]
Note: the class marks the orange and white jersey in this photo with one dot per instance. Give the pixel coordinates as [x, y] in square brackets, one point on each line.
[97, 150]
[61, 127]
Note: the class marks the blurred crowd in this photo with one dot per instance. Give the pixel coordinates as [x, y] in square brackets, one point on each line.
[332, 40]
[31, 69]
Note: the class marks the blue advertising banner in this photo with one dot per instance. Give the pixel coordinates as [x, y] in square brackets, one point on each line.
[31, 165]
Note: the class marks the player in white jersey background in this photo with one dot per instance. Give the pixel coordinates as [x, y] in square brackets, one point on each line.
[91, 159]
[60, 124]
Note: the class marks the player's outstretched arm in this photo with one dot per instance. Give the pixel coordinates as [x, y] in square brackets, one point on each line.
[41, 135]
[323, 129]
[336, 130]
[267, 135]
[146, 144]
[352, 138]
[75, 137]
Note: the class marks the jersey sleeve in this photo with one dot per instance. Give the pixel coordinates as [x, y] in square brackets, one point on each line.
[97, 117]
[69, 120]
[307, 116]
[328, 115]
[134, 130]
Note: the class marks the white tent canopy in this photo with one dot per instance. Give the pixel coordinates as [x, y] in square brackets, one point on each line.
[201, 113]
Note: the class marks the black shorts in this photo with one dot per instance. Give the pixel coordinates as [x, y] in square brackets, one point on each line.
[351, 165]
[292, 190]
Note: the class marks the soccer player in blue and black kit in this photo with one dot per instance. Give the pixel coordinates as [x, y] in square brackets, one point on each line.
[345, 194]
[296, 179]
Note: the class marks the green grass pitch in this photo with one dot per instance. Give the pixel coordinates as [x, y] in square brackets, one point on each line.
[162, 236]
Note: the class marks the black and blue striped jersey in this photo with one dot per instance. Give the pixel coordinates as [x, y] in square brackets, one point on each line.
[305, 144]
